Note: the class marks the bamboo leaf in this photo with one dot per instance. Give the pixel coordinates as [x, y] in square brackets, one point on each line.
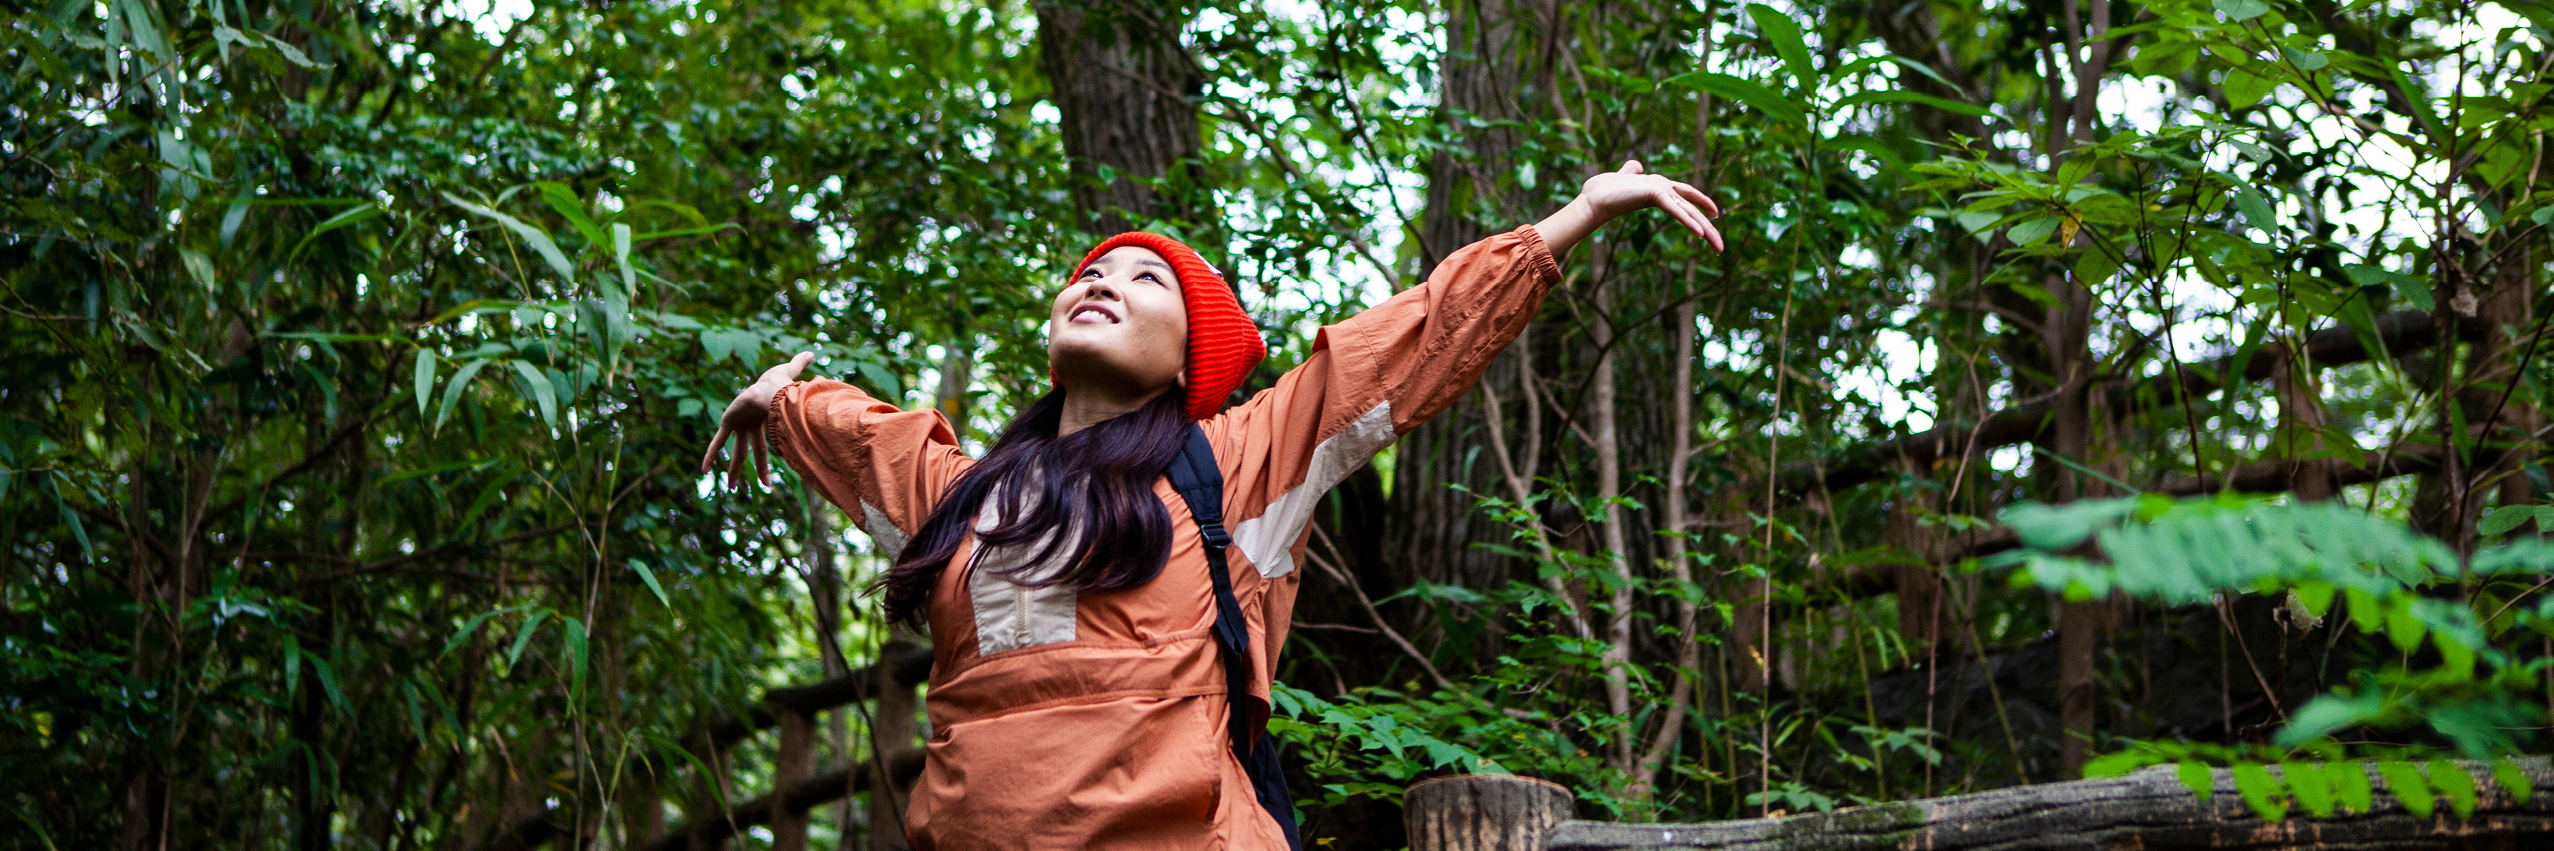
[452, 390]
[292, 664]
[467, 628]
[1773, 104]
[535, 237]
[70, 518]
[523, 636]
[540, 391]
[621, 258]
[425, 378]
[575, 654]
[564, 200]
[649, 576]
[1944, 104]
[349, 217]
[1785, 35]
[327, 677]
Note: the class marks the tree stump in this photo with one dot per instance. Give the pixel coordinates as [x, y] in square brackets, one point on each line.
[1483, 812]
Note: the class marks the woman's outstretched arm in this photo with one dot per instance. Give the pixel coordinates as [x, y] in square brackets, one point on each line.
[1607, 196]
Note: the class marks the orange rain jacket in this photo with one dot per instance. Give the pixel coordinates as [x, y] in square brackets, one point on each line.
[1096, 719]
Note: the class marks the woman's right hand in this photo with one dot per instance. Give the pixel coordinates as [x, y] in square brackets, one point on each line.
[744, 419]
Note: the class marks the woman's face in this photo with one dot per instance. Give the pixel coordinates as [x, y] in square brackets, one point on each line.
[1122, 326]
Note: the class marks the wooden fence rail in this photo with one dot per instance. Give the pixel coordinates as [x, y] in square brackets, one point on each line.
[2148, 809]
[794, 709]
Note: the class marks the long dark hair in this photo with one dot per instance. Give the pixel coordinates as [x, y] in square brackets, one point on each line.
[1097, 481]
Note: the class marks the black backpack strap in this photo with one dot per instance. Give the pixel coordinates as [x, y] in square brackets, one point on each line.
[1201, 484]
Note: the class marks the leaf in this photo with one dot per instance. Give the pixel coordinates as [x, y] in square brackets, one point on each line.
[2116, 764]
[541, 391]
[2305, 60]
[2405, 782]
[2350, 785]
[523, 636]
[2513, 780]
[416, 712]
[1773, 104]
[199, 267]
[452, 390]
[2243, 10]
[564, 200]
[488, 496]
[2403, 628]
[2505, 518]
[2328, 714]
[621, 258]
[292, 664]
[649, 576]
[2032, 231]
[1785, 35]
[2257, 209]
[2264, 794]
[1944, 104]
[425, 377]
[349, 217]
[533, 236]
[328, 682]
[2456, 785]
[2246, 87]
[2313, 791]
[2196, 776]
[467, 628]
[745, 346]
[575, 654]
[69, 518]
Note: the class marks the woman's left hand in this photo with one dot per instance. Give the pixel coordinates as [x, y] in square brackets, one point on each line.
[1607, 196]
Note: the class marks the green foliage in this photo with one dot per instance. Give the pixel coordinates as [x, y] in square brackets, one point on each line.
[2469, 688]
[2188, 551]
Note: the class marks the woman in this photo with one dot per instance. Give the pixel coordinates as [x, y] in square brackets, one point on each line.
[1098, 679]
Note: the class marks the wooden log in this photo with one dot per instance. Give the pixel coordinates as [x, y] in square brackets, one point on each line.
[1483, 812]
[2148, 809]
[797, 798]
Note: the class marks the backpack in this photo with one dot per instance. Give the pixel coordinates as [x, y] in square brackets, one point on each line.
[1201, 484]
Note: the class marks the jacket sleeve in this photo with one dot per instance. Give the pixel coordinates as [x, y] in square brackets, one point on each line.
[885, 467]
[1367, 381]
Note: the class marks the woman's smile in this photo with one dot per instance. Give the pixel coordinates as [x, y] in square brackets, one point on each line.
[1092, 312]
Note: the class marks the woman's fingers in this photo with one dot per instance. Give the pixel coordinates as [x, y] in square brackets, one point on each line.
[762, 461]
[1691, 216]
[1699, 199]
[788, 372]
[1629, 167]
[710, 458]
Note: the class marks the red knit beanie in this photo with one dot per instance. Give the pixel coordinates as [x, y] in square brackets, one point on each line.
[1223, 344]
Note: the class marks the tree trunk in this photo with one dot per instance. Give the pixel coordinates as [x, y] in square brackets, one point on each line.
[1126, 86]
